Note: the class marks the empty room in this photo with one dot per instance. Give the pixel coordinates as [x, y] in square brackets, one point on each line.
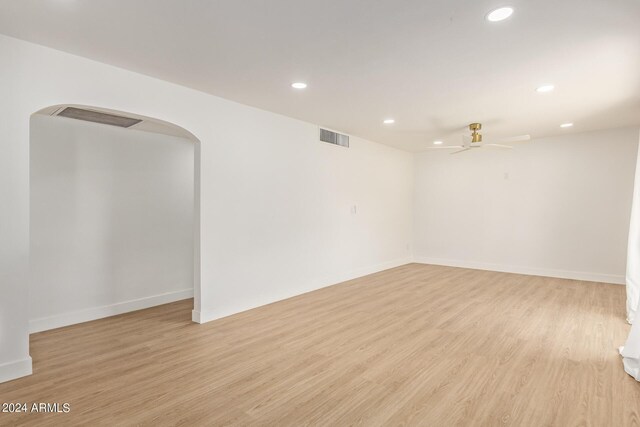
[319, 213]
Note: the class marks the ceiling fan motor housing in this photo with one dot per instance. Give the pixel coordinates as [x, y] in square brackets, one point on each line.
[475, 136]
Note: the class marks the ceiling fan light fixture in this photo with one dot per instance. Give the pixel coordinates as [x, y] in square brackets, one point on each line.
[475, 140]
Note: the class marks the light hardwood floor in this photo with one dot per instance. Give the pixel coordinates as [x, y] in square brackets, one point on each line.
[414, 345]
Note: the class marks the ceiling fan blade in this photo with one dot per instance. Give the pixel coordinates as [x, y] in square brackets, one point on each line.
[519, 138]
[460, 151]
[498, 146]
[445, 147]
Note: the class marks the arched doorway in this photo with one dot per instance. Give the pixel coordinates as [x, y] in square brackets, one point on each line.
[108, 225]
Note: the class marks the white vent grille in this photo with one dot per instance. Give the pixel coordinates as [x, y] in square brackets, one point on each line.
[98, 117]
[334, 138]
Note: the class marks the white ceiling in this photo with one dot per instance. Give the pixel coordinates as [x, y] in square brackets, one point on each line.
[433, 65]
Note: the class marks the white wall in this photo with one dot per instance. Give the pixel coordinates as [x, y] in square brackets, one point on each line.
[555, 206]
[275, 202]
[111, 220]
[283, 223]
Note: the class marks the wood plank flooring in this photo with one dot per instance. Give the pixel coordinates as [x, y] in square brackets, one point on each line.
[414, 345]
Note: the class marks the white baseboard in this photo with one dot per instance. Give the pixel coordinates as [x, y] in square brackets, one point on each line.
[16, 369]
[209, 315]
[196, 317]
[66, 319]
[532, 271]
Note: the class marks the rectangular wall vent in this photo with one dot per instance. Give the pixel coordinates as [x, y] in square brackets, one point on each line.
[98, 117]
[334, 138]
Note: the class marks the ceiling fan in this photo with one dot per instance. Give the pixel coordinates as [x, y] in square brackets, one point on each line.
[475, 141]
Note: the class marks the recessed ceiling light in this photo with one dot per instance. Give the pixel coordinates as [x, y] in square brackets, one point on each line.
[299, 85]
[499, 14]
[566, 125]
[544, 88]
[388, 121]
[437, 142]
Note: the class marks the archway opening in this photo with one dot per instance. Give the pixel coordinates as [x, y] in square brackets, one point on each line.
[114, 221]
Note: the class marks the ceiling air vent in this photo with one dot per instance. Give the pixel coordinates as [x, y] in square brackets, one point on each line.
[334, 138]
[98, 117]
